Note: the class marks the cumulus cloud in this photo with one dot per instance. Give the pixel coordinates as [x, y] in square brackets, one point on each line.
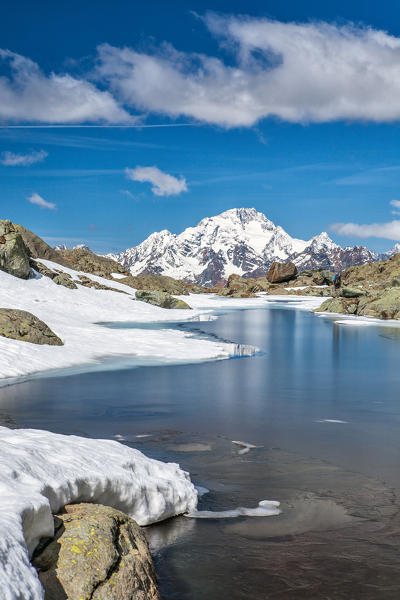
[163, 184]
[41, 202]
[298, 72]
[9, 159]
[390, 231]
[30, 95]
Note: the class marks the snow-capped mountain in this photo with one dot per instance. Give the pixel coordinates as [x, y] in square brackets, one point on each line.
[240, 240]
[77, 247]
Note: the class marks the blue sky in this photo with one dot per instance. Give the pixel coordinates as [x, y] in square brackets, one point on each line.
[290, 107]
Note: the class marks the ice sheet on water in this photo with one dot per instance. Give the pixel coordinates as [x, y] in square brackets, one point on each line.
[265, 508]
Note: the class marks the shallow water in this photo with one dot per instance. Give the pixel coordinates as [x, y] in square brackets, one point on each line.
[321, 400]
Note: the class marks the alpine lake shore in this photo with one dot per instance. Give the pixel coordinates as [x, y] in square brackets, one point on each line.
[97, 551]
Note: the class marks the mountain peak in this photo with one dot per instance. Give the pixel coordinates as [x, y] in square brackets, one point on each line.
[238, 240]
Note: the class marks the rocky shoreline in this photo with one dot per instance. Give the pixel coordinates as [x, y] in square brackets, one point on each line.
[97, 553]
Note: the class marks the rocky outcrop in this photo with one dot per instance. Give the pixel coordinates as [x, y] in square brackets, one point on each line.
[162, 283]
[98, 553]
[381, 305]
[59, 277]
[83, 259]
[37, 248]
[161, 299]
[373, 274]
[87, 282]
[14, 257]
[22, 325]
[280, 272]
[240, 287]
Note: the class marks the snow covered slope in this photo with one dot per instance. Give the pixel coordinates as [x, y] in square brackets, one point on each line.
[240, 240]
[40, 472]
[74, 315]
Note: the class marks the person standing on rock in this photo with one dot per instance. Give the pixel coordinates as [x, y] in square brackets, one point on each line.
[337, 282]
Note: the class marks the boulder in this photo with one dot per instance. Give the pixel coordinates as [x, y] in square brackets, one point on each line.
[348, 292]
[22, 325]
[280, 272]
[161, 299]
[98, 553]
[14, 257]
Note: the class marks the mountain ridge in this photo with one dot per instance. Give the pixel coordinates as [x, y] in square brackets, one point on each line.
[239, 240]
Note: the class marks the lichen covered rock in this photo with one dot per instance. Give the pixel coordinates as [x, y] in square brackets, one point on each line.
[22, 325]
[14, 258]
[98, 553]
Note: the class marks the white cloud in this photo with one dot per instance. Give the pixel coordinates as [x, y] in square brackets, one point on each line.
[163, 183]
[127, 193]
[9, 159]
[39, 201]
[298, 72]
[29, 95]
[390, 231]
[396, 205]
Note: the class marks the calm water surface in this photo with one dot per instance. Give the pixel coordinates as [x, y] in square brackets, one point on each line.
[330, 476]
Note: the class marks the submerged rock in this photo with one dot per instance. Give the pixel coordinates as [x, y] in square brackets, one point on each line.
[280, 272]
[14, 257]
[22, 325]
[98, 553]
[161, 299]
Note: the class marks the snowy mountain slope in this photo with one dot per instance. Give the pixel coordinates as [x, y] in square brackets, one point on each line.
[240, 240]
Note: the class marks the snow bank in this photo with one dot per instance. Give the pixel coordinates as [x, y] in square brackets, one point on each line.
[75, 316]
[40, 472]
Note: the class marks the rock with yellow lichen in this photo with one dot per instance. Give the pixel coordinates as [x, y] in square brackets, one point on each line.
[97, 553]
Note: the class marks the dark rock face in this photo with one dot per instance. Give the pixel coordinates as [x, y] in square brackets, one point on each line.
[14, 257]
[161, 299]
[22, 325]
[98, 553]
[280, 272]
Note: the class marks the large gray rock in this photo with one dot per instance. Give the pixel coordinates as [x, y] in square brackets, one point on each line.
[280, 272]
[98, 553]
[22, 325]
[348, 292]
[14, 257]
[161, 299]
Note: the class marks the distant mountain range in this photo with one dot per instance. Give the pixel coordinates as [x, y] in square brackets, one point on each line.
[240, 240]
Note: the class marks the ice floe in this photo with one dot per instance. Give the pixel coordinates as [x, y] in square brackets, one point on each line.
[265, 508]
[245, 447]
